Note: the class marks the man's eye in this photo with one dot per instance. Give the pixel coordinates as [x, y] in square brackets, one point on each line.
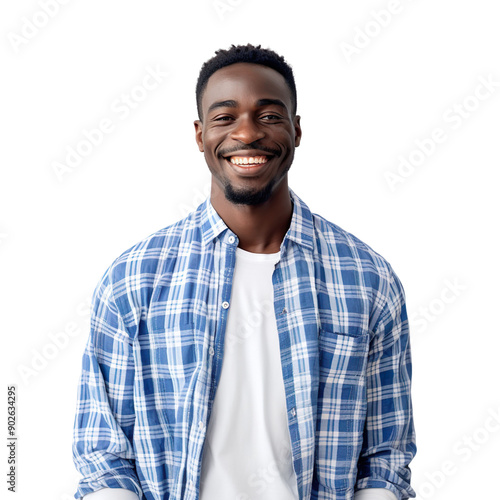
[271, 117]
[222, 118]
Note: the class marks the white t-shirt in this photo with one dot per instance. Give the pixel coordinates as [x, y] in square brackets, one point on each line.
[247, 450]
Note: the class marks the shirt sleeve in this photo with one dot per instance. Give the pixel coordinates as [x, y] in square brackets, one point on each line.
[111, 494]
[102, 436]
[370, 494]
[389, 436]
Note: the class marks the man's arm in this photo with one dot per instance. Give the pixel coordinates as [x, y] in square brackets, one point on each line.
[389, 435]
[105, 417]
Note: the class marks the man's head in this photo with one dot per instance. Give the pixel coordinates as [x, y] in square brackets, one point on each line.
[247, 126]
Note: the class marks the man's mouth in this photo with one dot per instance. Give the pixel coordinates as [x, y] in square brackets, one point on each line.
[247, 160]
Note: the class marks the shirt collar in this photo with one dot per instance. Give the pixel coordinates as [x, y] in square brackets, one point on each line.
[300, 230]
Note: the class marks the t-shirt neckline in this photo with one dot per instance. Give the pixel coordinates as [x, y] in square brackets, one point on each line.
[257, 256]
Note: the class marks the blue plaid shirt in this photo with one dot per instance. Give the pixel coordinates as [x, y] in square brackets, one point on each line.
[154, 354]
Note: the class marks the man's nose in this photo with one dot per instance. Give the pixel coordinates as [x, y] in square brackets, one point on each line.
[247, 130]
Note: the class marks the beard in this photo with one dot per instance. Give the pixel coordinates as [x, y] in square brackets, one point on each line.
[248, 196]
[251, 196]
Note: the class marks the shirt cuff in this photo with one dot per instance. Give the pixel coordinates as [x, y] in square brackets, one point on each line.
[111, 494]
[373, 494]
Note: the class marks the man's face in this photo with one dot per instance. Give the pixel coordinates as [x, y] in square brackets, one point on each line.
[248, 134]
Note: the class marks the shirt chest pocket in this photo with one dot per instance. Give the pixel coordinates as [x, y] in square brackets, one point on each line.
[342, 356]
[342, 365]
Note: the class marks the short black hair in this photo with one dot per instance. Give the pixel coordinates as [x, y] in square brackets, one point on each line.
[248, 54]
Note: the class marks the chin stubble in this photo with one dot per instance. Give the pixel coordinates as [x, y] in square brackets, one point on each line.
[247, 196]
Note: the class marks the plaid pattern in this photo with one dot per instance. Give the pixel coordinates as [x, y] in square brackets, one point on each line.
[154, 355]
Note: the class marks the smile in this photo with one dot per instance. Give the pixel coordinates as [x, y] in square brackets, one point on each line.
[248, 166]
[248, 160]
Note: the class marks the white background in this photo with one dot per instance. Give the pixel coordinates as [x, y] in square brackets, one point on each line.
[361, 112]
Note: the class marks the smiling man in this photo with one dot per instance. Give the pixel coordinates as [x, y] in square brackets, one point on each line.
[252, 350]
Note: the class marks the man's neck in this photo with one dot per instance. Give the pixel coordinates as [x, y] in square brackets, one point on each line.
[260, 228]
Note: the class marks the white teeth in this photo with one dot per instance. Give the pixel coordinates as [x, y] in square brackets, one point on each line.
[248, 160]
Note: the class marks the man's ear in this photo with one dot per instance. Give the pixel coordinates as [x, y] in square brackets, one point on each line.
[298, 130]
[198, 127]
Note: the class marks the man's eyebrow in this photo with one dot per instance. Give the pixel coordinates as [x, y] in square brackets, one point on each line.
[270, 102]
[222, 104]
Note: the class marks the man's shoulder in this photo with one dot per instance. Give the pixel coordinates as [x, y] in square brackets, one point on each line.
[335, 243]
[344, 241]
[357, 262]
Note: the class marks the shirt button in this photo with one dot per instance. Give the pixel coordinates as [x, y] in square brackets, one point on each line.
[201, 425]
[211, 351]
[231, 239]
[191, 483]
[293, 412]
[225, 305]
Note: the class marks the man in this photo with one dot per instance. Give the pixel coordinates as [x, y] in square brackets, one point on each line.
[252, 350]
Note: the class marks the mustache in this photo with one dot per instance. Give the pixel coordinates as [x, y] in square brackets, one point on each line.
[249, 147]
